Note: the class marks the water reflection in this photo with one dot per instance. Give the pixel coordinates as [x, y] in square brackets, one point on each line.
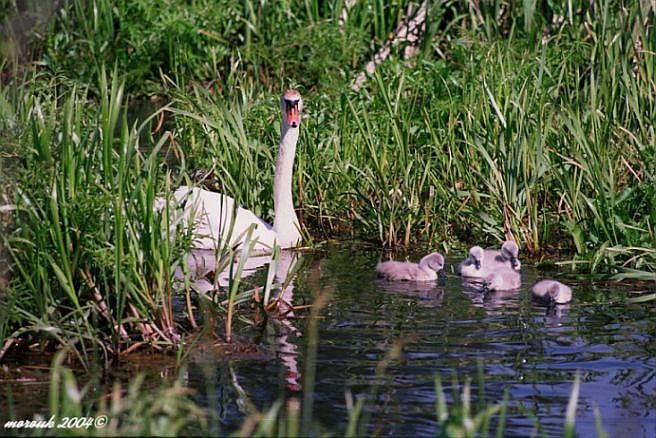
[556, 316]
[428, 294]
[532, 350]
[447, 329]
[284, 327]
[238, 388]
[207, 272]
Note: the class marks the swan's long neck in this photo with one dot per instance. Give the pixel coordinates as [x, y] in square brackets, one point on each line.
[285, 222]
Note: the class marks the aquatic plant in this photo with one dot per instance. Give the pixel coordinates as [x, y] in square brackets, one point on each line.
[171, 407]
[89, 255]
[227, 43]
[531, 120]
[171, 410]
[92, 261]
[128, 410]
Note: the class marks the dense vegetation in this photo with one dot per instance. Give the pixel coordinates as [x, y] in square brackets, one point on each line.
[531, 120]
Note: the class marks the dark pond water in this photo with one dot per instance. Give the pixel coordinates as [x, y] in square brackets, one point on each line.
[446, 331]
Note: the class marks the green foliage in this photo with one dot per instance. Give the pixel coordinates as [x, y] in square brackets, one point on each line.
[86, 243]
[315, 55]
[144, 39]
[460, 420]
[7, 9]
[171, 411]
[529, 119]
[129, 411]
[506, 136]
[208, 41]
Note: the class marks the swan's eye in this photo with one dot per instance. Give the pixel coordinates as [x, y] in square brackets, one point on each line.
[291, 104]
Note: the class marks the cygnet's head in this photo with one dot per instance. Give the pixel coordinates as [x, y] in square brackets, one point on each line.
[433, 261]
[291, 106]
[476, 256]
[510, 251]
[560, 293]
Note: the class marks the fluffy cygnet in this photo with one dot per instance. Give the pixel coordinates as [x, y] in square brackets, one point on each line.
[552, 292]
[425, 270]
[481, 263]
[503, 279]
[472, 265]
[506, 257]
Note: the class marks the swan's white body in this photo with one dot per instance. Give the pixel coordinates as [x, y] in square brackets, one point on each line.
[217, 220]
[552, 292]
[212, 215]
[425, 270]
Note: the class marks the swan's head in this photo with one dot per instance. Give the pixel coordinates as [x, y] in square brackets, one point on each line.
[476, 256]
[510, 251]
[433, 261]
[291, 105]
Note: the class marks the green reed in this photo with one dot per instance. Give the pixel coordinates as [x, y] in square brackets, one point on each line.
[87, 250]
[93, 259]
[434, 152]
[535, 125]
[130, 410]
[608, 184]
[530, 120]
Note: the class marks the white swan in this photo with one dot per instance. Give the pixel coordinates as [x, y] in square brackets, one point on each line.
[552, 292]
[219, 220]
[426, 270]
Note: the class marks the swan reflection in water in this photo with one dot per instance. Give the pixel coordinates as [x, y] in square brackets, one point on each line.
[201, 267]
[495, 302]
[284, 327]
[428, 294]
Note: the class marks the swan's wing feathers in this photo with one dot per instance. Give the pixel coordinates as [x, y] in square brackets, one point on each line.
[217, 219]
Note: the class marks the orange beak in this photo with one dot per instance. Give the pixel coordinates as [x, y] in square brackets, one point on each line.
[293, 115]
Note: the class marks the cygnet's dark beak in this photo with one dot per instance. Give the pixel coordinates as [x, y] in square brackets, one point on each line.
[550, 303]
[514, 263]
[477, 264]
[547, 299]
